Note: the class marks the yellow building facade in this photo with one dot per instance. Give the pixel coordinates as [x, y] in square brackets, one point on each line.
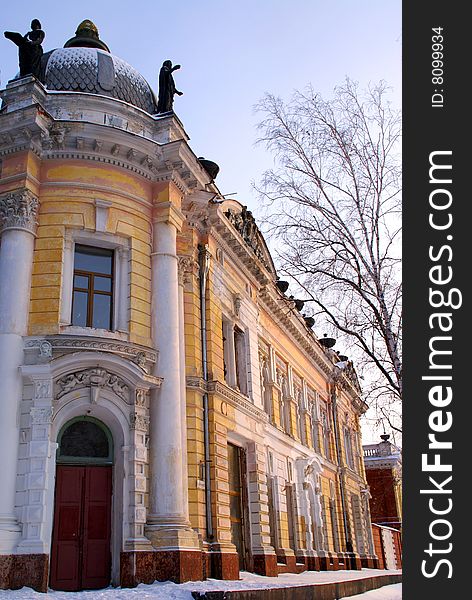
[158, 388]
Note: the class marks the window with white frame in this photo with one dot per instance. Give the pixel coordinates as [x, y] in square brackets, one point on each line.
[240, 359]
[325, 431]
[314, 420]
[300, 406]
[92, 299]
[235, 356]
[266, 391]
[96, 282]
[348, 448]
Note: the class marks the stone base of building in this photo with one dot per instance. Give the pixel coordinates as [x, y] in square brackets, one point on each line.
[329, 562]
[19, 570]
[160, 565]
[368, 562]
[353, 562]
[311, 563]
[224, 565]
[265, 564]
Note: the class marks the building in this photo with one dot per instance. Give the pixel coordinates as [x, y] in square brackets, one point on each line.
[166, 411]
[383, 466]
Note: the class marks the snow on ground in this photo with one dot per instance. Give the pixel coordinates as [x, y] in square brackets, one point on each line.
[172, 591]
[388, 592]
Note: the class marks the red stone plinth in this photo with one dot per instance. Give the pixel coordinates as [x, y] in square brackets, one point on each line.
[20, 570]
[265, 564]
[160, 565]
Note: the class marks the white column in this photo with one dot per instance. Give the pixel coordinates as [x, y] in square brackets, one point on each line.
[18, 217]
[168, 522]
[184, 264]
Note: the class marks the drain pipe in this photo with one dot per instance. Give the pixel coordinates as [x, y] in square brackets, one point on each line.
[204, 265]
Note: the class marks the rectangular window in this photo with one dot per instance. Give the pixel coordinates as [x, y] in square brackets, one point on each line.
[348, 448]
[325, 432]
[240, 360]
[92, 300]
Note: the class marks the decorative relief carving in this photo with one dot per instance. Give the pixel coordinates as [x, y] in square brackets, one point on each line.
[237, 301]
[19, 209]
[45, 349]
[186, 268]
[140, 360]
[142, 397]
[95, 378]
[42, 389]
[137, 421]
[41, 416]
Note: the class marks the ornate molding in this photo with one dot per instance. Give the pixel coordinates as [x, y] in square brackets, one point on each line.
[187, 266]
[142, 398]
[237, 400]
[246, 226]
[138, 421]
[19, 210]
[136, 353]
[42, 389]
[96, 377]
[196, 383]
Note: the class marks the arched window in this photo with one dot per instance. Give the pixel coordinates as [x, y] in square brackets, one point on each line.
[85, 440]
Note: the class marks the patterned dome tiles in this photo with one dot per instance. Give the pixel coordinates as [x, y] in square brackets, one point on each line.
[76, 69]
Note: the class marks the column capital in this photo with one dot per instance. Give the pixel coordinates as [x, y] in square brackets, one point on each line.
[18, 210]
[167, 212]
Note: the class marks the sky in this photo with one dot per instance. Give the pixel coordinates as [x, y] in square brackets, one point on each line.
[232, 52]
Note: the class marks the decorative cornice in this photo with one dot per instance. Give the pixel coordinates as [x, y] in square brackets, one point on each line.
[137, 354]
[305, 339]
[196, 383]
[246, 226]
[237, 400]
[19, 210]
[230, 241]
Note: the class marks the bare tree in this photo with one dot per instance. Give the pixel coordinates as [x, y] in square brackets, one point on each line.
[334, 206]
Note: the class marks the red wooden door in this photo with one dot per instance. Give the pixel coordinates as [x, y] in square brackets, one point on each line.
[80, 553]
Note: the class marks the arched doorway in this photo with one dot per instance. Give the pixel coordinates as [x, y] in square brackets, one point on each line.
[81, 538]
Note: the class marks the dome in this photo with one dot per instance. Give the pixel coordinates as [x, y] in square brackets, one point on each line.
[95, 71]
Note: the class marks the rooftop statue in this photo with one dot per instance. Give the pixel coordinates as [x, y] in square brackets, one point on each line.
[167, 87]
[30, 50]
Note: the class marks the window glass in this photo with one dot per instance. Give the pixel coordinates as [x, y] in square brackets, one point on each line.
[84, 439]
[93, 287]
[79, 309]
[101, 311]
[96, 260]
[81, 281]
[102, 284]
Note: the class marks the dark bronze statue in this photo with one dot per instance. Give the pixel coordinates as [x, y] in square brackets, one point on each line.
[29, 48]
[167, 87]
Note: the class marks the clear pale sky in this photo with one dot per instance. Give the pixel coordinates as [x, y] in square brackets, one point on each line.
[231, 53]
